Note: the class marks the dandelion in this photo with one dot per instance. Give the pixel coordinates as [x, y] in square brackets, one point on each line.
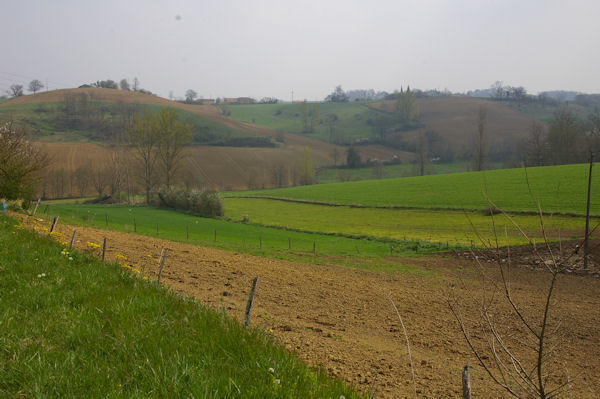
[92, 245]
[277, 381]
[41, 275]
[70, 258]
[271, 370]
[271, 330]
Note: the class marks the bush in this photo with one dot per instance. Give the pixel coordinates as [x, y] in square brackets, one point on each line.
[200, 202]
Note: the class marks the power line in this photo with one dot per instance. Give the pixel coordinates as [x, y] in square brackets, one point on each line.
[31, 78]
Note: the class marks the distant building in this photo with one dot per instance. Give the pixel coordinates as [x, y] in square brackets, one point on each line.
[239, 100]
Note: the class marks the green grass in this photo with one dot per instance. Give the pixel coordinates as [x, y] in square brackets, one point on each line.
[82, 328]
[558, 188]
[455, 227]
[249, 238]
[332, 175]
[352, 116]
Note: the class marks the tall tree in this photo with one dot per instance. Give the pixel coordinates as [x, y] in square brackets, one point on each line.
[353, 158]
[136, 84]
[535, 145]
[173, 137]
[337, 96]
[35, 85]
[422, 163]
[563, 137]
[307, 173]
[406, 106]
[480, 145]
[144, 141]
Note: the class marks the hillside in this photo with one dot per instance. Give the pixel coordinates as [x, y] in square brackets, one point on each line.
[216, 166]
[455, 120]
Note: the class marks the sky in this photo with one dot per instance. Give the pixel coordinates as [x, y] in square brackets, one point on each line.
[271, 48]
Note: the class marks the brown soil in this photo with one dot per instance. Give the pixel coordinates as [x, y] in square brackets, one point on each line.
[340, 319]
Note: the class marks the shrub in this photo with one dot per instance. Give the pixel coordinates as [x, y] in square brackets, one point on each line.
[200, 202]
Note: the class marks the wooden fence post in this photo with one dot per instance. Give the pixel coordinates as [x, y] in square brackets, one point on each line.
[357, 251]
[163, 257]
[73, 239]
[187, 231]
[260, 242]
[46, 209]
[54, 221]
[586, 250]
[289, 243]
[215, 235]
[106, 218]
[134, 225]
[157, 230]
[314, 248]
[36, 207]
[466, 382]
[250, 301]
[104, 250]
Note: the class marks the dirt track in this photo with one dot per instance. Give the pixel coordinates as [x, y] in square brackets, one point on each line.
[340, 319]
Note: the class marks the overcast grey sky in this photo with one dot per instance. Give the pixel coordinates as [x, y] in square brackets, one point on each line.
[270, 47]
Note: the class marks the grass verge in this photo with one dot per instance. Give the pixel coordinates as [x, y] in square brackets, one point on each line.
[72, 326]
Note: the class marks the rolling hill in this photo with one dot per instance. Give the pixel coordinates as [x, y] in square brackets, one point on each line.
[216, 166]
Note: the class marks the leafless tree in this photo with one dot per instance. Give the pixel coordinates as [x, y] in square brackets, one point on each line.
[15, 90]
[35, 85]
[480, 145]
[521, 363]
[83, 176]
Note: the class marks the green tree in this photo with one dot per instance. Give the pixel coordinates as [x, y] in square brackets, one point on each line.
[337, 96]
[353, 158]
[190, 96]
[20, 163]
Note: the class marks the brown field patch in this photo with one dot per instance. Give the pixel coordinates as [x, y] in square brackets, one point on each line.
[340, 319]
[455, 119]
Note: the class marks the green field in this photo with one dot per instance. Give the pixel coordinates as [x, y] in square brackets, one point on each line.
[558, 189]
[352, 118]
[74, 327]
[242, 237]
[454, 227]
[332, 175]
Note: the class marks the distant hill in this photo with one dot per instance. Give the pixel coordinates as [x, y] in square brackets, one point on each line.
[454, 119]
[216, 166]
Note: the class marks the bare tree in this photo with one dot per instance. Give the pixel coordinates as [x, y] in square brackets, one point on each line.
[35, 85]
[144, 140]
[15, 90]
[173, 137]
[422, 161]
[83, 175]
[480, 145]
[520, 363]
[100, 180]
[136, 84]
[190, 96]
[279, 175]
[535, 145]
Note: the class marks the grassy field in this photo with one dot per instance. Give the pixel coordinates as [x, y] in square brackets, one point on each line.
[332, 175]
[455, 227]
[352, 116]
[72, 326]
[558, 189]
[243, 237]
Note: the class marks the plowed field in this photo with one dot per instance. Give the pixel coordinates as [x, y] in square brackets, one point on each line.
[342, 320]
